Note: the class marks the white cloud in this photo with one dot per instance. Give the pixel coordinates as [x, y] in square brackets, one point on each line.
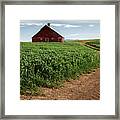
[74, 34]
[68, 26]
[22, 26]
[56, 25]
[91, 25]
[64, 25]
[31, 24]
[52, 24]
[38, 24]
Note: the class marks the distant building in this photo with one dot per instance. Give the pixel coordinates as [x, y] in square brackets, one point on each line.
[47, 34]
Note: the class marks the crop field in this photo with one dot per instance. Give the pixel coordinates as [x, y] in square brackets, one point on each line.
[95, 43]
[50, 64]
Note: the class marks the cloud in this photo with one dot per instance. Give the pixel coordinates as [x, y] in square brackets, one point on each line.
[56, 25]
[22, 26]
[74, 34]
[68, 26]
[64, 25]
[91, 25]
[31, 24]
[52, 24]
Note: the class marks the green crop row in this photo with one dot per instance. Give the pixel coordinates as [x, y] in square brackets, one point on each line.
[49, 64]
[95, 43]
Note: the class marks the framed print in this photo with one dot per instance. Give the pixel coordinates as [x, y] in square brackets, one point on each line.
[60, 60]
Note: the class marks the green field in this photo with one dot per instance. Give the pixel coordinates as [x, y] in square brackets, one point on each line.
[50, 64]
[95, 44]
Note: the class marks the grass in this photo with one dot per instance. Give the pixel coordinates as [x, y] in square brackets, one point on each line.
[49, 64]
[94, 44]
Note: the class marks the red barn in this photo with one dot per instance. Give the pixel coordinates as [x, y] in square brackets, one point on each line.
[47, 34]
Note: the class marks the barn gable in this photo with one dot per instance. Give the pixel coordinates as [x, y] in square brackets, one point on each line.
[47, 34]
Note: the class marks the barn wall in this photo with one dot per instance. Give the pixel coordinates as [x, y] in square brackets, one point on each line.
[47, 39]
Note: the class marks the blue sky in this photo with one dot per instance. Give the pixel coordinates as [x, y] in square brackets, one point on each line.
[69, 29]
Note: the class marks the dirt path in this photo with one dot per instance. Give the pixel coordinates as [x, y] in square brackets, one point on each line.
[87, 87]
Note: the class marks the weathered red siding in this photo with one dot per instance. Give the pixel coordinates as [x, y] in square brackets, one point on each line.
[46, 34]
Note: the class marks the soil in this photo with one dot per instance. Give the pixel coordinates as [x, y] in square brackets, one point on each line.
[87, 87]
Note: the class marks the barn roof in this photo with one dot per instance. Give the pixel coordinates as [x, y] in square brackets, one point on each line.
[50, 29]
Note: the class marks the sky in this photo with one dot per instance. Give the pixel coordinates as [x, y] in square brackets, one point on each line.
[69, 29]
